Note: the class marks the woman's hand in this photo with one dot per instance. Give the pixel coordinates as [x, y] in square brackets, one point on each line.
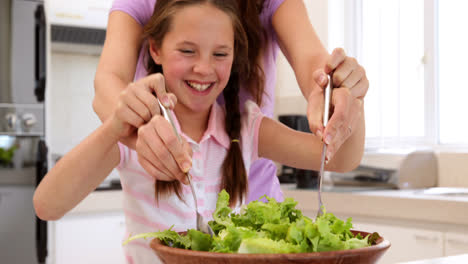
[137, 105]
[351, 85]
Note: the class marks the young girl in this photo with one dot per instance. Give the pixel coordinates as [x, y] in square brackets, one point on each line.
[271, 26]
[200, 48]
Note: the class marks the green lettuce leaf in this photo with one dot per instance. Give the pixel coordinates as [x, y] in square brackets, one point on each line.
[266, 227]
[169, 237]
[199, 240]
[266, 245]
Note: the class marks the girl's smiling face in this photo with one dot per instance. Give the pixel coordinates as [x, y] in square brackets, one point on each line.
[196, 56]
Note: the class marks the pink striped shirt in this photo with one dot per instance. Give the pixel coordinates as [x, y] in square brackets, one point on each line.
[141, 211]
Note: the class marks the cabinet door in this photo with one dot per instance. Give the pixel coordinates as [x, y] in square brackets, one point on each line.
[90, 238]
[456, 243]
[407, 244]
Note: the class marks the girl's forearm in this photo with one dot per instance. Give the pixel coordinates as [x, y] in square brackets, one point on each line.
[77, 174]
[304, 150]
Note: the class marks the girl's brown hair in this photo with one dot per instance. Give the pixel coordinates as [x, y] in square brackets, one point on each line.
[246, 69]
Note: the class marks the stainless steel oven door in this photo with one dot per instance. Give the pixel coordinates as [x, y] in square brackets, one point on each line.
[23, 164]
[5, 48]
[22, 67]
[18, 158]
[17, 225]
[22, 52]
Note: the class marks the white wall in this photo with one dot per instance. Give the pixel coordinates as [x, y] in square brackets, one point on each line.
[70, 102]
[69, 107]
[289, 99]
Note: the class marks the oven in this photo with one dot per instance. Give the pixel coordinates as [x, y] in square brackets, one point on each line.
[23, 151]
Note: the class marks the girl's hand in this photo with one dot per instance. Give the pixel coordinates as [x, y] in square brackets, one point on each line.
[351, 85]
[137, 104]
[160, 153]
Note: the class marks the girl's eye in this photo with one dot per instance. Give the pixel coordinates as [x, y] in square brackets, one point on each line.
[186, 51]
[220, 54]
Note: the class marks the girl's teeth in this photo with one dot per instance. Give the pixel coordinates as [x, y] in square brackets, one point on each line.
[199, 87]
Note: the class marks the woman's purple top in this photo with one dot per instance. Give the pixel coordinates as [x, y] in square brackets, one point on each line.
[262, 177]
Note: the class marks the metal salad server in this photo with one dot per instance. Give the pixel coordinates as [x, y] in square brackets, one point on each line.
[324, 149]
[202, 225]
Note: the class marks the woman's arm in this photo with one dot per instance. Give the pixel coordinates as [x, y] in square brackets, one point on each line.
[311, 63]
[115, 74]
[303, 150]
[77, 174]
[300, 44]
[117, 65]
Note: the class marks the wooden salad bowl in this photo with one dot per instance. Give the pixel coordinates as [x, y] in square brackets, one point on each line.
[365, 255]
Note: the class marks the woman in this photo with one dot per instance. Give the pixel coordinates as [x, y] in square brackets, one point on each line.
[122, 62]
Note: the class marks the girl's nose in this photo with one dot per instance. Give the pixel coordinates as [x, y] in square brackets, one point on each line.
[203, 66]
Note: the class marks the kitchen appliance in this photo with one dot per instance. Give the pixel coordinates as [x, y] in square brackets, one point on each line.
[365, 177]
[78, 26]
[304, 179]
[418, 170]
[23, 162]
[409, 170]
[297, 122]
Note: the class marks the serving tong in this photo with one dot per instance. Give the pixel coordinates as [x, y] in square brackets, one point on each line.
[326, 113]
[202, 225]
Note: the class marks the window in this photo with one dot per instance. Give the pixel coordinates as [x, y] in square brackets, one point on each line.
[413, 55]
[453, 90]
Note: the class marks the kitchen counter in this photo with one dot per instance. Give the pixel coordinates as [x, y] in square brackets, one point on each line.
[100, 201]
[459, 259]
[391, 204]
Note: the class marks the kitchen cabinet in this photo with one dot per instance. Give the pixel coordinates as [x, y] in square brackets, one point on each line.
[407, 243]
[456, 243]
[89, 238]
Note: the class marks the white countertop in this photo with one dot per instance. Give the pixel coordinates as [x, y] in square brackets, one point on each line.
[100, 201]
[393, 204]
[459, 259]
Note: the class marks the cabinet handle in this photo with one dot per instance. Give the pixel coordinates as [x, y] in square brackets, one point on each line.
[426, 238]
[457, 242]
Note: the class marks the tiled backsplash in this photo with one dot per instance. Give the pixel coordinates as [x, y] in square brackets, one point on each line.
[71, 91]
[69, 106]
[453, 169]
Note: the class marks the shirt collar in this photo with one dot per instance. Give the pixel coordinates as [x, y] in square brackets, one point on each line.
[215, 129]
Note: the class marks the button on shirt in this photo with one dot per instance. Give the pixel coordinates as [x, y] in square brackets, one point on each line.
[142, 212]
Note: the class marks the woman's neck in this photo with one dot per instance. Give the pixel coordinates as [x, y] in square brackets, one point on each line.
[193, 124]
